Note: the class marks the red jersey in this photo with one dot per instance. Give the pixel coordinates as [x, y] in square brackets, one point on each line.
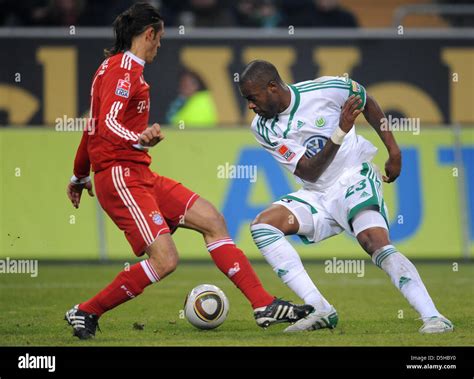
[119, 111]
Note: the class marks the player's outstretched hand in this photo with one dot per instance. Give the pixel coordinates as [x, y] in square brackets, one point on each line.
[393, 167]
[151, 136]
[349, 113]
[74, 192]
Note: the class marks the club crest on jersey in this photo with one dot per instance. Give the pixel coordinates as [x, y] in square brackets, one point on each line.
[320, 122]
[286, 153]
[156, 217]
[123, 88]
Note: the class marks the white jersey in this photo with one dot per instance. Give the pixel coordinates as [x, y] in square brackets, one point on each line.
[306, 125]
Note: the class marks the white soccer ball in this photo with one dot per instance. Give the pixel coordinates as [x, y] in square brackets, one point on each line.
[206, 306]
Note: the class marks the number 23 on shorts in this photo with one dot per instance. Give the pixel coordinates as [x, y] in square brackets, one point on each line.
[351, 190]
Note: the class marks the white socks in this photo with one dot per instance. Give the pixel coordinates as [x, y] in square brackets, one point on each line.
[406, 278]
[287, 264]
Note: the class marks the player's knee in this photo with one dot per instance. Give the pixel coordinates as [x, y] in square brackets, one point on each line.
[163, 255]
[264, 218]
[171, 263]
[372, 239]
[165, 264]
[370, 228]
[215, 224]
[269, 218]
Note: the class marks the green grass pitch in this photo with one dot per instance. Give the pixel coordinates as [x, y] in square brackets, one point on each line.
[370, 308]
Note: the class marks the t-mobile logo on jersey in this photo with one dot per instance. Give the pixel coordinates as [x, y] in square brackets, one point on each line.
[142, 106]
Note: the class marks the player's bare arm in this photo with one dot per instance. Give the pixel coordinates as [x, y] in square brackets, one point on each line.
[374, 116]
[310, 169]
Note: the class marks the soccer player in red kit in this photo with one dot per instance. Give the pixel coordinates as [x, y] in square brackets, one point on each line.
[148, 207]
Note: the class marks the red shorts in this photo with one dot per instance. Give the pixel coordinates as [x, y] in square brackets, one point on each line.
[142, 203]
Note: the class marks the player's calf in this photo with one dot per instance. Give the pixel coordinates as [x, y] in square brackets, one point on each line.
[203, 217]
[268, 232]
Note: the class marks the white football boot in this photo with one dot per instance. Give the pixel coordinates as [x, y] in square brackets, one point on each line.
[436, 324]
[316, 320]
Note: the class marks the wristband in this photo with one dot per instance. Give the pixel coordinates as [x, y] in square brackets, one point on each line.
[76, 180]
[338, 136]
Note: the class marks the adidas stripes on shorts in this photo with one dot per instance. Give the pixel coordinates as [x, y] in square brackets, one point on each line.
[142, 203]
[325, 214]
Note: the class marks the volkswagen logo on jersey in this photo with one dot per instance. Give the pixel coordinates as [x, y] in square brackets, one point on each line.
[314, 145]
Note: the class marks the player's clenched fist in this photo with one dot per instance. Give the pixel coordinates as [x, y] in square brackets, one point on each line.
[349, 113]
[151, 136]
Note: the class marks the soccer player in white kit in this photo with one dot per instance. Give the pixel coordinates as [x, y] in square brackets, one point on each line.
[308, 128]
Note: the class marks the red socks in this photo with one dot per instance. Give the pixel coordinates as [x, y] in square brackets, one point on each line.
[131, 283]
[127, 285]
[233, 263]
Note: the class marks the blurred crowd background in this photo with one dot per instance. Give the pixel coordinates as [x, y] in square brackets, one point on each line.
[192, 97]
[226, 13]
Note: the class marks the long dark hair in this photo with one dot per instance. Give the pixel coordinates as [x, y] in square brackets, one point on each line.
[132, 22]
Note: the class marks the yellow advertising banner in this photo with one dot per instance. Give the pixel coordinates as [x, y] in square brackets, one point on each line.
[431, 205]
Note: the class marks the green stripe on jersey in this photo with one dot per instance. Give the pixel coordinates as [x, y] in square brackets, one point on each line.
[275, 120]
[262, 130]
[312, 83]
[293, 110]
[309, 89]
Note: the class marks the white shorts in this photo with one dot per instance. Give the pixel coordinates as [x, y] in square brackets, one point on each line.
[324, 214]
